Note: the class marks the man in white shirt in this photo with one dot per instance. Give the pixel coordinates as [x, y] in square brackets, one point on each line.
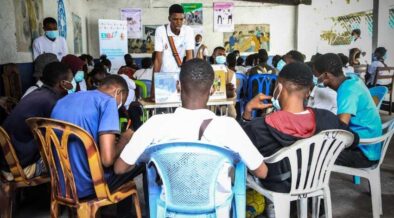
[201, 50]
[145, 73]
[51, 42]
[196, 79]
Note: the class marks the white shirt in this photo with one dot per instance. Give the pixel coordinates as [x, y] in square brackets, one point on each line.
[184, 125]
[144, 74]
[131, 85]
[82, 85]
[372, 70]
[38, 84]
[323, 98]
[184, 41]
[43, 45]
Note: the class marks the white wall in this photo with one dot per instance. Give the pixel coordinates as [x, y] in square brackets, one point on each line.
[386, 34]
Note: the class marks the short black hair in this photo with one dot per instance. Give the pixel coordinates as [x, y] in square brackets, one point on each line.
[106, 62]
[240, 61]
[356, 31]
[115, 80]
[380, 52]
[262, 55]
[330, 63]
[275, 60]
[315, 56]
[128, 56]
[344, 59]
[98, 68]
[296, 55]
[219, 48]
[175, 8]
[49, 20]
[54, 72]
[231, 59]
[299, 74]
[250, 60]
[146, 63]
[196, 76]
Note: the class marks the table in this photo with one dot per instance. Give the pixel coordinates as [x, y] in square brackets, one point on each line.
[152, 106]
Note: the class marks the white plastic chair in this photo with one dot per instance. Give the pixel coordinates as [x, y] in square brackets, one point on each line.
[372, 173]
[318, 155]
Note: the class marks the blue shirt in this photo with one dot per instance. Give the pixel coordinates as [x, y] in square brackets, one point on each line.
[97, 113]
[354, 98]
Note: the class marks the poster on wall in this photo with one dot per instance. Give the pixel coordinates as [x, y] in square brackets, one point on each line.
[134, 24]
[28, 23]
[147, 43]
[77, 30]
[391, 18]
[194, 16]
[338, 31]
[61, 19]
[223, 17]
[248, 38]
[113, 41]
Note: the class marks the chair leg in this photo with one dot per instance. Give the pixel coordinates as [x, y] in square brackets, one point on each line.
[327, 202]
[281, 207]
[88, 211]
[315, 207]
[302, 207]
[137, 206]
[54, 207]
[376, 194]
[6, 200]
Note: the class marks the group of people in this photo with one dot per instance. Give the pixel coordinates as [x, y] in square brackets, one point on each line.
[308, 98]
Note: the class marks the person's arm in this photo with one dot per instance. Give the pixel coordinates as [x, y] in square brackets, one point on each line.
[261, 171]
[189, 55]
[256, 104]
[344, 118]
[158, 62]
[109, 149]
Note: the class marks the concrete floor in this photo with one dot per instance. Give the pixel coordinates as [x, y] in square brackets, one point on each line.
[348, 200]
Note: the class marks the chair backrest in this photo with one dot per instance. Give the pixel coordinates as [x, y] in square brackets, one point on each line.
[53, 136]
[148, 84]
[386, 73]
[242, 82]
[142, 89]
[12, 81]
[189, 172]
[312, 159]
[11, 158]
[378, 93]
[265, 84]
[361, 70]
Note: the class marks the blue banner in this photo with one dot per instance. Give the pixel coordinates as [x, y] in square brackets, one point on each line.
[62, 20]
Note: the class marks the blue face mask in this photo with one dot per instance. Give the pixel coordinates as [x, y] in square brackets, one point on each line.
[79, 76]
[74, 88]
[220, 59]
[317, 83]
[53, 34]
[275, 101]
[385, 57]
[280, 65]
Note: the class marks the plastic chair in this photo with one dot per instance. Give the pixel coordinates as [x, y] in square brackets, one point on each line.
[310, 171]
[143, 90]
[241, 91]
[386, 73]
[265, 84]
[20, 179]
[148, 84]
[46, 132]
[189, 171]
[372, 173]
[378, 93]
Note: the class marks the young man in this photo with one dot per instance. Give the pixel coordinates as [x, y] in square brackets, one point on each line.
[196, 79]
[290, 122]
[356, 109]
[57, 81]
[262, 66]
[76, 65]
[201, 50]
[294, 56]
[51, 42]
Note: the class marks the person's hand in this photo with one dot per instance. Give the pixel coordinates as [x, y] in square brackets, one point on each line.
[256, 104]
[230, 90]
[149, 99]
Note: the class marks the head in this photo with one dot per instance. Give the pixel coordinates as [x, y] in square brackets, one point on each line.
[198, 39]
[41, 61]
[218, 55]
[196, 79]
[106, 63]
[250, 60]
[74, 63]
[176, 16]
[380, 53]
[231, 60]
[240, 61]
[58, 76]
[128, 60]
[49, 24]
[146, 63]
[98, 74]
[293, 87]
[294, 56]
[262, 56]
[356, 33]
[328, 68]
[275, 60]
[354, 55]
[115, 86]
[315, 56]
[344, 59]
[237, 53]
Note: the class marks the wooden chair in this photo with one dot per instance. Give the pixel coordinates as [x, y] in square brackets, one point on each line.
[44, 131]
[361, 70]
[12, 81]
[388, 74]
[20, 179]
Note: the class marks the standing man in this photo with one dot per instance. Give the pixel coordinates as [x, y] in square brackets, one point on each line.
[51, 42]
[201, 50]
[173, 42]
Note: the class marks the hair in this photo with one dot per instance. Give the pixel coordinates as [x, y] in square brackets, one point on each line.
[115, 80]
[354, 54]
[299, 75]
[315, 56]
[356, 31]
[262, 55]
[380, 52]
[196, 76]
[275, 60]
[344, 59]
[41, 61]
[105, 61]
[198, 36]
[240, 61]
[175, 8]
[54, 73]
[231, 60]
[98, 68]
[250, 60]
[296, 55]
[49, 20]
[146, 63]
[128, 56]
[330, 63]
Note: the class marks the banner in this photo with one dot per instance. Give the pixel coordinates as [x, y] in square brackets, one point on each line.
[61, 19]
[134, 24]
[147, 43]
[248, 38]
[193, 16]
[223, 17]
[113, 41]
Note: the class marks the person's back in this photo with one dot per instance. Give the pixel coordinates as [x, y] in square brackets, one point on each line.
[379, 58]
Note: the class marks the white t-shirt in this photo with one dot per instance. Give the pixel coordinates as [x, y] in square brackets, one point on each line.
[143, 74]
[204, 53]
[184, 125]
[184, 41]
[323, 98]
[131, 85]
[43, 45]
[372, 70]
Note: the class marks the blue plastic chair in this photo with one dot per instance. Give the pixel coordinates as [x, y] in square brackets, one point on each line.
[265, 83]
[148, 84]
[188, 171]
[379, 92]
[241, 90]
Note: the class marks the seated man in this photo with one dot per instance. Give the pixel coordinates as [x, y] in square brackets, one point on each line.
[290, 122]
[57, 81]
[96, 111]
[356, 109]
[196, 79]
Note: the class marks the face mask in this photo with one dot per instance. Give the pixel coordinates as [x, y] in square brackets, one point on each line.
[74, 87]
[121, 97]
[79, 76]
[280, 65]
[317, 83]
[52, 34]
[275, 101]
[385, 56]
[220, 59]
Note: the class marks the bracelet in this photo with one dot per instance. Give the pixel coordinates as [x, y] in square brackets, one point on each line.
[245, 120]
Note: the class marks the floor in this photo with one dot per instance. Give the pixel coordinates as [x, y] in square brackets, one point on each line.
[348, 200]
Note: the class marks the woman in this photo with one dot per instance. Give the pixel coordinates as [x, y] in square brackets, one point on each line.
[379, 56]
